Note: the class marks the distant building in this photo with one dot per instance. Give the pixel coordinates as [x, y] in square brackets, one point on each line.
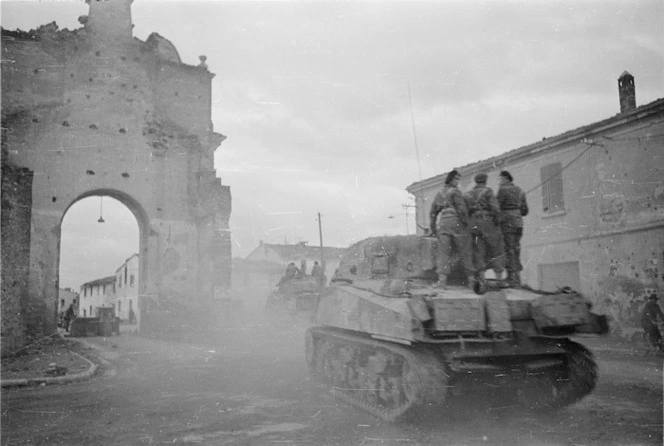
[596, 198]
[67, 297]
[266, 264]
[95, 294]
[125, 299]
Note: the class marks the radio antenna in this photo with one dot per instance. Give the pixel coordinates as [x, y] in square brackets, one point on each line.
[412, 120]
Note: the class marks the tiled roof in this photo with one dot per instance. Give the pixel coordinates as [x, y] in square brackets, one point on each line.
[548, 143]
[299, 251]
[102, 281]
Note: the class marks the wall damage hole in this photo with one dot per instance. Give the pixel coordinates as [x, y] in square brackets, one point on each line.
[71, 74]
[93, 126]
[65, 123]
[35, 120]
[90, 79]
[54, 199]
[135, 87]
[87, 96]
[97, 53]
[125, 175]
[122, 131]
[90, 172]
[177, 94]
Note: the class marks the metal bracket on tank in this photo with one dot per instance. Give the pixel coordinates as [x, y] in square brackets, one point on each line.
[391, 339]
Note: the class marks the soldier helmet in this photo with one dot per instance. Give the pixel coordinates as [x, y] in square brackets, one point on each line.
[507, 175]
[481, 178]
[653, 296]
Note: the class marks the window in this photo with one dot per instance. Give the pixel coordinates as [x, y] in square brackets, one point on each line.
[120, 281]
[551, 177]
[131, 280]
[119, 306]
[84, 313]
[62, 303]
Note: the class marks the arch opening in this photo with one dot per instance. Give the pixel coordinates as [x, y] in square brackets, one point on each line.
[101, 259]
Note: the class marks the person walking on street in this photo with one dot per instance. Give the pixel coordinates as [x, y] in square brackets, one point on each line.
[513, 207]
[70, 315]
[651, 312]
[449, 223]
[487, 237]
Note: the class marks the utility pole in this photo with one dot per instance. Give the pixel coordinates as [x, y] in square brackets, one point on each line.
[320, 233]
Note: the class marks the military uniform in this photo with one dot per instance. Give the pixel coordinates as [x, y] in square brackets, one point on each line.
[513, 207]
[483, 210]
[449, 221]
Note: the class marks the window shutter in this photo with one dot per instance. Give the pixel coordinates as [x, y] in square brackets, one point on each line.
[556, 187]
[545, 188]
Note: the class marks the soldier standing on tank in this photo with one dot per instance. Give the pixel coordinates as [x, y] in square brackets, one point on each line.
[449, 223]
[483, 211]
[513, 207]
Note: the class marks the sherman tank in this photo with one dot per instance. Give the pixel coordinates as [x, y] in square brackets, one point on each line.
[386, 340]
[295, 295]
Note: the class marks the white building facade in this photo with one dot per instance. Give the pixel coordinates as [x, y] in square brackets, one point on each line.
[95, 294]
[125, 299]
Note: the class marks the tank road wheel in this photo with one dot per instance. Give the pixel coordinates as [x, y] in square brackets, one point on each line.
[388, 390]
[410, 382]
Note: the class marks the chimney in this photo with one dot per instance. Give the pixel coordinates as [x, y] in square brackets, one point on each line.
[110, 18]
[626, 92]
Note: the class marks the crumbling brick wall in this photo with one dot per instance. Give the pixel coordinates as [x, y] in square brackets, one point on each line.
[16, 212]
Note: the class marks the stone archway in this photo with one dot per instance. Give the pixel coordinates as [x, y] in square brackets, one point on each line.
[96, 110]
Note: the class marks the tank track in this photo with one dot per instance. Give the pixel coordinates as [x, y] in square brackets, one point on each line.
[384, 379]
[581, 374]
[556, 388]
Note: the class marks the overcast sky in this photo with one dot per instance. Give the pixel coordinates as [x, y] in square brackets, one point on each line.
[314, 99]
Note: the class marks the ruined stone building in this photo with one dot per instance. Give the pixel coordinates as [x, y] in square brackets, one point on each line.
[94, 112]
[596, 198]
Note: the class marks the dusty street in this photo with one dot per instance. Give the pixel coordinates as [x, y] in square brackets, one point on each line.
[249, 385]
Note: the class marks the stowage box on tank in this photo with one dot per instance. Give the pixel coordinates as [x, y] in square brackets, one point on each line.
[386, 340]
